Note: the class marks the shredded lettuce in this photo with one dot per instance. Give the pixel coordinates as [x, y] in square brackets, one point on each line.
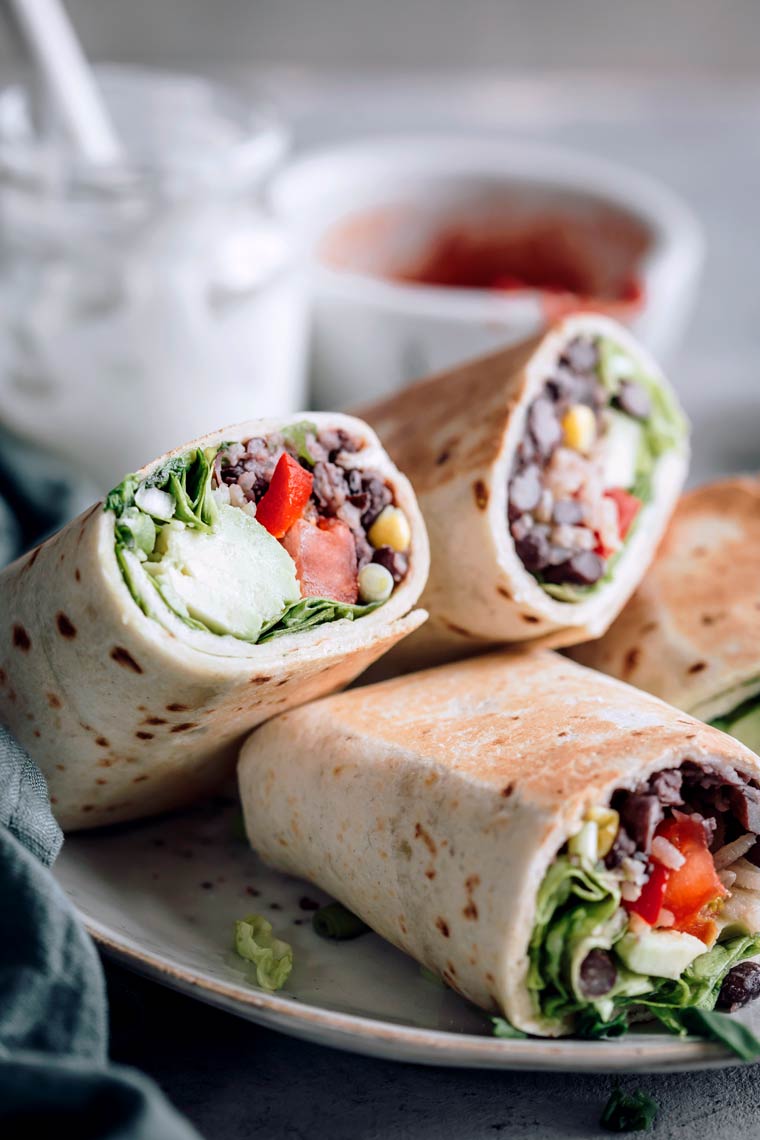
[297, 435]
[273, 958]
[311, 612]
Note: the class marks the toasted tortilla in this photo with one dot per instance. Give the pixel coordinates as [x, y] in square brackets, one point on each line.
[432, 805]
[455, 435]
[691, 632]
[127, 718]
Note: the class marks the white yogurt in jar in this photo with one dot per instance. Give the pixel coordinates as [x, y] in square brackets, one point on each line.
[142, 307]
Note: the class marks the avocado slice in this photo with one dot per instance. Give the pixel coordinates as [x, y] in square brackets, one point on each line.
[234, 579]
[661, 953]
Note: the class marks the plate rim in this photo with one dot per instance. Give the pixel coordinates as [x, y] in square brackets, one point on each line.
[398, 1042]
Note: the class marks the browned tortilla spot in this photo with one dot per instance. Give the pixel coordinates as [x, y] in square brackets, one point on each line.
[698, 666]
[144, 735]
[106, 762]
[65, 626]
[37, 733]
[402, 926]
[54, 701]
[101, 780]
[61, 767]
[178, 708]
[426, 837]
[531, 619]
[649, 626]
[481, 494]
[183, 727]
[125, 659]
[507, 790]
[284, 681]
[262, 680]
[77, 575]
[103, 741]
[459, 630]
[430, 873]
[489, 977]
[139, 779]
[630, 661]
[88, 807]
[54, 799]
[155, 720]
[471, 882]
[451, 968]
[3, 676]
[33, 557]
[470, 912]
[442, 456]
[503, 591]
[443, 926]
[21, 638]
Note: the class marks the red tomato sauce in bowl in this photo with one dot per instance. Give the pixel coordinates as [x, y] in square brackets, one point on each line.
[586, 255]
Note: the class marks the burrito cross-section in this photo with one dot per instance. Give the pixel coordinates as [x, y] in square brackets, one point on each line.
[238, 576]
[546, 475]
[555, 845]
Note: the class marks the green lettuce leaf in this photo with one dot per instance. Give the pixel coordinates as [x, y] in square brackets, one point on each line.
[272, 957]
[576, 908]
[311, 612]
[297, 435]
[504, 1029]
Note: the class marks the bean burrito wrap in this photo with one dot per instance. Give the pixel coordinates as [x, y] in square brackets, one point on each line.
[242, 574]
[546, 475]
[691, 632]
[555, 845]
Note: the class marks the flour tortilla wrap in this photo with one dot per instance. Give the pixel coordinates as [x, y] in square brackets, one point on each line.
[126, 717]
[432, 805]
[456, 436]
[691, 632]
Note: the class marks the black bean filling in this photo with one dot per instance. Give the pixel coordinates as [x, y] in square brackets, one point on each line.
[534, 514]
[340, 491]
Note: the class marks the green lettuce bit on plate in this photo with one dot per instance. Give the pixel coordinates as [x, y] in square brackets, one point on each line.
[629, 1112]
[255, 942]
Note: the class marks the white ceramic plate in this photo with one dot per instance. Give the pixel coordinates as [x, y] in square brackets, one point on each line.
[161, 897]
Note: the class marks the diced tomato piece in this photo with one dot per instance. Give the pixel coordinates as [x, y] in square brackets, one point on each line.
[703, 928]
[628, 506]
[695, 883]
[649, 903]
[325, 558]
[286, 496]
[600, 549]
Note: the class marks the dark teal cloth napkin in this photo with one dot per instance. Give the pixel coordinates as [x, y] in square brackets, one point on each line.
[54, 1070]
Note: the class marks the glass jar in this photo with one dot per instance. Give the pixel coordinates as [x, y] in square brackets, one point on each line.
[145, 305]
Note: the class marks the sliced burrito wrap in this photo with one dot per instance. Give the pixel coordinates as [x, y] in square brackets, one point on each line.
[116, 672]
[487, 817]
[546, 474]
[691, 632]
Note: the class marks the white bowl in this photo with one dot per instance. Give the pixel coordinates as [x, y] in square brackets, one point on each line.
[372, 334]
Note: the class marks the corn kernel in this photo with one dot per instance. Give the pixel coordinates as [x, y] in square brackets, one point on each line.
[579, 428]
[608, 822]
[391, 528]
[375, 583]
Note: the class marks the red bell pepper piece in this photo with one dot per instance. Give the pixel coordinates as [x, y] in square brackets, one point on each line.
[649, 903]
[286, 496]
[628, 506]
[695, 883]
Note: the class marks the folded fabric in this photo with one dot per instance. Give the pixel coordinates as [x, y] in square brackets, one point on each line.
[54, 1067]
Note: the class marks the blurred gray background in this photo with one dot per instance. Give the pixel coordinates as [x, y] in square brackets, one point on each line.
[718, 36]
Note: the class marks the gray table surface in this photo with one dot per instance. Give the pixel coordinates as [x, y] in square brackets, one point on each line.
[234, 1079]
